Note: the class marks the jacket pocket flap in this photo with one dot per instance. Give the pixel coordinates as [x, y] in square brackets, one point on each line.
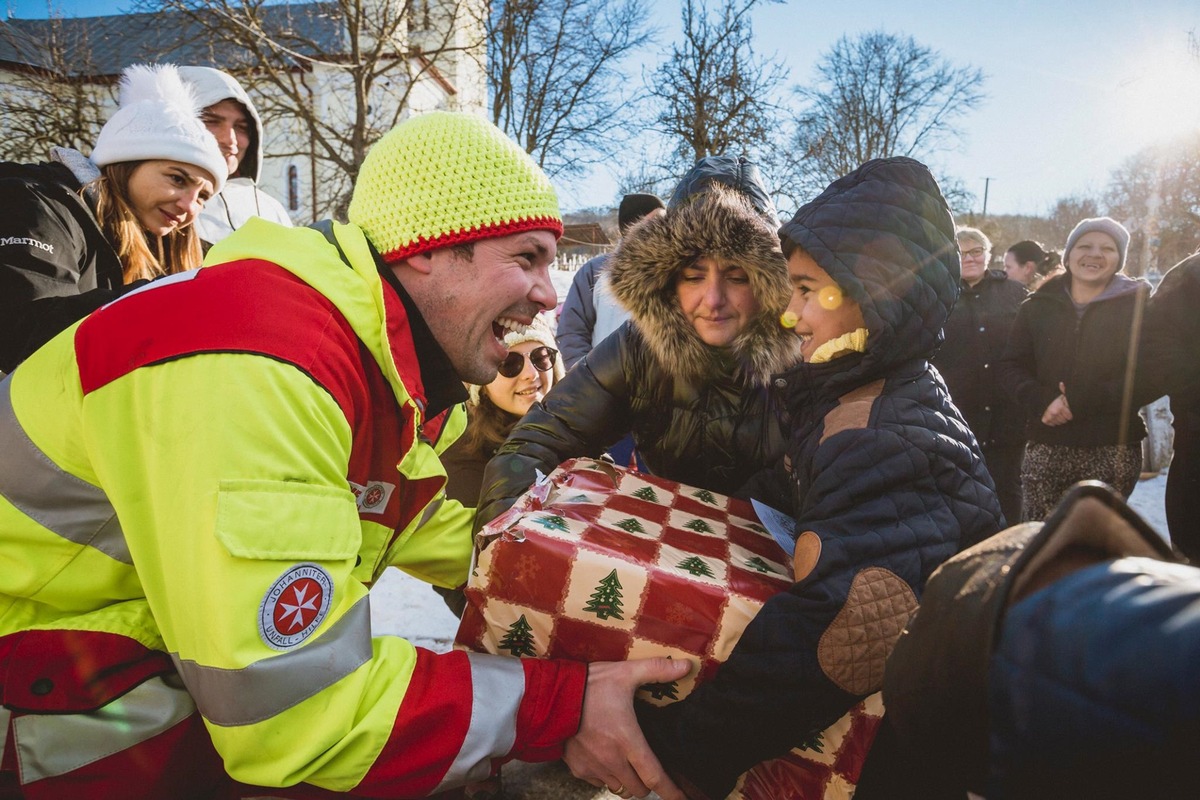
[287, 520]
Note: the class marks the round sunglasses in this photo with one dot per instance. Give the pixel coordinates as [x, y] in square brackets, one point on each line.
[542, 358]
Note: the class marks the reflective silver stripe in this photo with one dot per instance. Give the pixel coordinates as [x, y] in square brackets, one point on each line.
[5, 716]
[497, 688]
[434, 506]
[73, 508]
[244, 696]
[55, 744]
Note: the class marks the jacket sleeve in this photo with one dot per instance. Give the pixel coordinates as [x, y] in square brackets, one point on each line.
[42, 259]
[1018, 369]
[584, 413]
[578, 318]
[1168, 363]
[871, 526]
[219, 510]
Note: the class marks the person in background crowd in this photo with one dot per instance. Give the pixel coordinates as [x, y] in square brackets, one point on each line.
[1031, 265]
[531, 368]
[689, 374]
[232, 119]
[1070, 364]
[263, 431]
[76, 231]
[882, 476]
[976, 334]
[1053, 661]
[1170, 359]
[589, 313]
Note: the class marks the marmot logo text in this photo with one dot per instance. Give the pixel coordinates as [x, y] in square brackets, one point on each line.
[11, 240]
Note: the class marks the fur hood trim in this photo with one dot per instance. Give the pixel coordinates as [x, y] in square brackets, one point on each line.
[644, 269]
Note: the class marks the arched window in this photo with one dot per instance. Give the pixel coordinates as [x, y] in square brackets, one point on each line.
[293, 188]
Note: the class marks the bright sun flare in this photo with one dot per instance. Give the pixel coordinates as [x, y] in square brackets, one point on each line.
[1160, 98]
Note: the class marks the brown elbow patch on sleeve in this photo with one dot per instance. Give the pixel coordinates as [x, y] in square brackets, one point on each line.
[853, 410]
[808, 553]
[854, 648]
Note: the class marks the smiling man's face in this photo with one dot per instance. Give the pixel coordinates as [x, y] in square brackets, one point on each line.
[471, 303]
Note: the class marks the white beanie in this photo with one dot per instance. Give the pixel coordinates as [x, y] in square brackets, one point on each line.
[158, 118]
[538, 331]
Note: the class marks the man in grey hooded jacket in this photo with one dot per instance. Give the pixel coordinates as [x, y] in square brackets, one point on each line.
[232, 119]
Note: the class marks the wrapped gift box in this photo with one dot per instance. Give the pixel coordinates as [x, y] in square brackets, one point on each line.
[599, 563]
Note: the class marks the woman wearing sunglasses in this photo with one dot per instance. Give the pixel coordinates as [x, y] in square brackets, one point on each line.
[525, 376]
[690, 374]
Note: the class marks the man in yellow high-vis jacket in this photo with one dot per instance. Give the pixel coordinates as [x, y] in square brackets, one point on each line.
[200, 482]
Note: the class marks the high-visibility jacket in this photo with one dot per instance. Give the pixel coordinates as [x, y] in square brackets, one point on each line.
[205, 477]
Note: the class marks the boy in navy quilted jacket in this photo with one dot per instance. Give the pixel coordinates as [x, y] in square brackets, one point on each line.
[883, 476]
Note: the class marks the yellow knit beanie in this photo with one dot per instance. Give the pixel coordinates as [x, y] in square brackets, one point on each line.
[444, 178]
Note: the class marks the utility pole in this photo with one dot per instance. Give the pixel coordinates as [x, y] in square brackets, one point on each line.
[986, 183]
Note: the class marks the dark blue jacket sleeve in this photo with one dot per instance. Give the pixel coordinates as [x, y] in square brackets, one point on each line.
[873, 522]
[578, 318]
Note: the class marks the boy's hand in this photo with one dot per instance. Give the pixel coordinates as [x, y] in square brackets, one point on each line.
[609, 749]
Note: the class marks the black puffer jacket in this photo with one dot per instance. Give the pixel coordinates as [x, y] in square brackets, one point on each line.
[1170, 351]
[886, 483]
[1089, 353]
[975, 336]
[56, 266]
[700, 415]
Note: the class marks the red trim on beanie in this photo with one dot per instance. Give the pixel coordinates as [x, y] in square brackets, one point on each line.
[422, 244]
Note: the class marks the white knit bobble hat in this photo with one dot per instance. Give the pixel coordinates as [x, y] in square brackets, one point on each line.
[158, 118]
[539, 331]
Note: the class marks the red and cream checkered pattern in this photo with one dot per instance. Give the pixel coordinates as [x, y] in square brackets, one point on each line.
[599, 563]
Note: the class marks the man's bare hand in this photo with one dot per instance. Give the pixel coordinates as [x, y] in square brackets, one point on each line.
[610, 749]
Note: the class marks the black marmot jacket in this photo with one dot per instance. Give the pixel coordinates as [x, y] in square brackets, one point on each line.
[975, 336]
[56, 266]
[700, 415]
[1089, 353]
[884, 478]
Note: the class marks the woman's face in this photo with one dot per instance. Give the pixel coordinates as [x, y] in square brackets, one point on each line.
[716, 298]
[820, 310]
[974, 260]
[167, 195]
[1016, 271]
[517, 395]
[1094, 259]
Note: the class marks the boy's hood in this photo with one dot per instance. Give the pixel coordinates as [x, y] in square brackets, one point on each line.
[885, 234]
[211, 86]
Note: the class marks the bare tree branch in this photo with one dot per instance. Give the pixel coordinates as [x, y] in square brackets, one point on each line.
[554, 81]
[336, 75]
[50, 103]
[877, 95]
[714, 94]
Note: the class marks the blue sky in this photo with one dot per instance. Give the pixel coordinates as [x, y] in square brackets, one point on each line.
[1074, 86]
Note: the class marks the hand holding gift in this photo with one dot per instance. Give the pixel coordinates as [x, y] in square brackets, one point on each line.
[609, 749]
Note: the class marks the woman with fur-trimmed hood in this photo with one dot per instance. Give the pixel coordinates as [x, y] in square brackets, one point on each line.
[690, 374]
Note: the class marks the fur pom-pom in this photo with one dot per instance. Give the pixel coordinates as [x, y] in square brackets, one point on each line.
[159, 83]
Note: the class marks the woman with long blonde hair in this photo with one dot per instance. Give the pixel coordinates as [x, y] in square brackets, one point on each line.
[79, 231]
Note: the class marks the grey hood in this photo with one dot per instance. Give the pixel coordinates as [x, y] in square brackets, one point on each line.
[211, 86]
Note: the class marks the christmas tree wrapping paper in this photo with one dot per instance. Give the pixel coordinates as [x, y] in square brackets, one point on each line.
[600, 563]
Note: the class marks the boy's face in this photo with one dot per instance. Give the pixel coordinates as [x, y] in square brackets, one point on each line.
[821, 311]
